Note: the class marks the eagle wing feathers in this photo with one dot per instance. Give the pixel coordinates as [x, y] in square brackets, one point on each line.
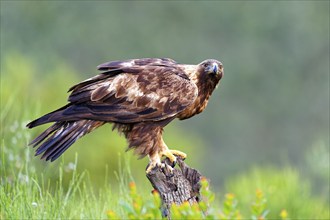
[154, 93]
[130, 91]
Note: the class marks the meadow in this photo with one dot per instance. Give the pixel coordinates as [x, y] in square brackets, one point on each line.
[262, 193]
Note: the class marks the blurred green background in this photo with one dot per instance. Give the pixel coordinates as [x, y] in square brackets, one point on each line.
[271, 108]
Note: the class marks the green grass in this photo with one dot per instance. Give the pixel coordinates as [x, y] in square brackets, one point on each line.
[259, 194]
[283, 190]
[24, 194]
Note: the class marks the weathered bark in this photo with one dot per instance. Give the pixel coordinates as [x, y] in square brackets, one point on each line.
[176, 186]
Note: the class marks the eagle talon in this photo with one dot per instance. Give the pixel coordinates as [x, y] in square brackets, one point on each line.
[167, 165]
[153, 165]
[173, 164]
[168, 170]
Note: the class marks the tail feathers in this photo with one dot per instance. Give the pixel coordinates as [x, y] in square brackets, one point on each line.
[46, 133]
[60, 136]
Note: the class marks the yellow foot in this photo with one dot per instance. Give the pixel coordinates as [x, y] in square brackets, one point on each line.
[170, 154]
[153, 164]
[179, 154]
[164, 166]
[155, 160]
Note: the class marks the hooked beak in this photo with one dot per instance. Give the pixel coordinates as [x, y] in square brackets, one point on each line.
[215, 68]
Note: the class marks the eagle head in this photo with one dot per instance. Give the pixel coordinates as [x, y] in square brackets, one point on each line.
[212, 67]
[209, 72]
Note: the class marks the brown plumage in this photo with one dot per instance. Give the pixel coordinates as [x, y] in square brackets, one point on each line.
[139, 96]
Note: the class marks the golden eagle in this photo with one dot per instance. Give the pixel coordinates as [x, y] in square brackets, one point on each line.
[139, 96]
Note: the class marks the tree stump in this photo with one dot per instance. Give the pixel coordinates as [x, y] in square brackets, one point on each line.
[176, 186]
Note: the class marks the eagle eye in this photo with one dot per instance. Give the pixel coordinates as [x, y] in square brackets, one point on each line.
[205, 65]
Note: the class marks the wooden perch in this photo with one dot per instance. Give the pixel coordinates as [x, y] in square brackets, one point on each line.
[174, 185]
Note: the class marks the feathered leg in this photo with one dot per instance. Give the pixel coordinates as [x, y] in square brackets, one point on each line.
[146, 139]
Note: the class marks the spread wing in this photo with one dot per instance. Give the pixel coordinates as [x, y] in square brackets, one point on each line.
[128, 92]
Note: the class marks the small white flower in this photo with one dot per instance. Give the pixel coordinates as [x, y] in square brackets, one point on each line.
[14, 127]
[11, 157]
[70, 167]
[34, 204]
[23, 177]
[14, 140]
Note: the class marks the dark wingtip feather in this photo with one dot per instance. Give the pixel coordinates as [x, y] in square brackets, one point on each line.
[39, 121]
[31, 124]
[50, 117]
